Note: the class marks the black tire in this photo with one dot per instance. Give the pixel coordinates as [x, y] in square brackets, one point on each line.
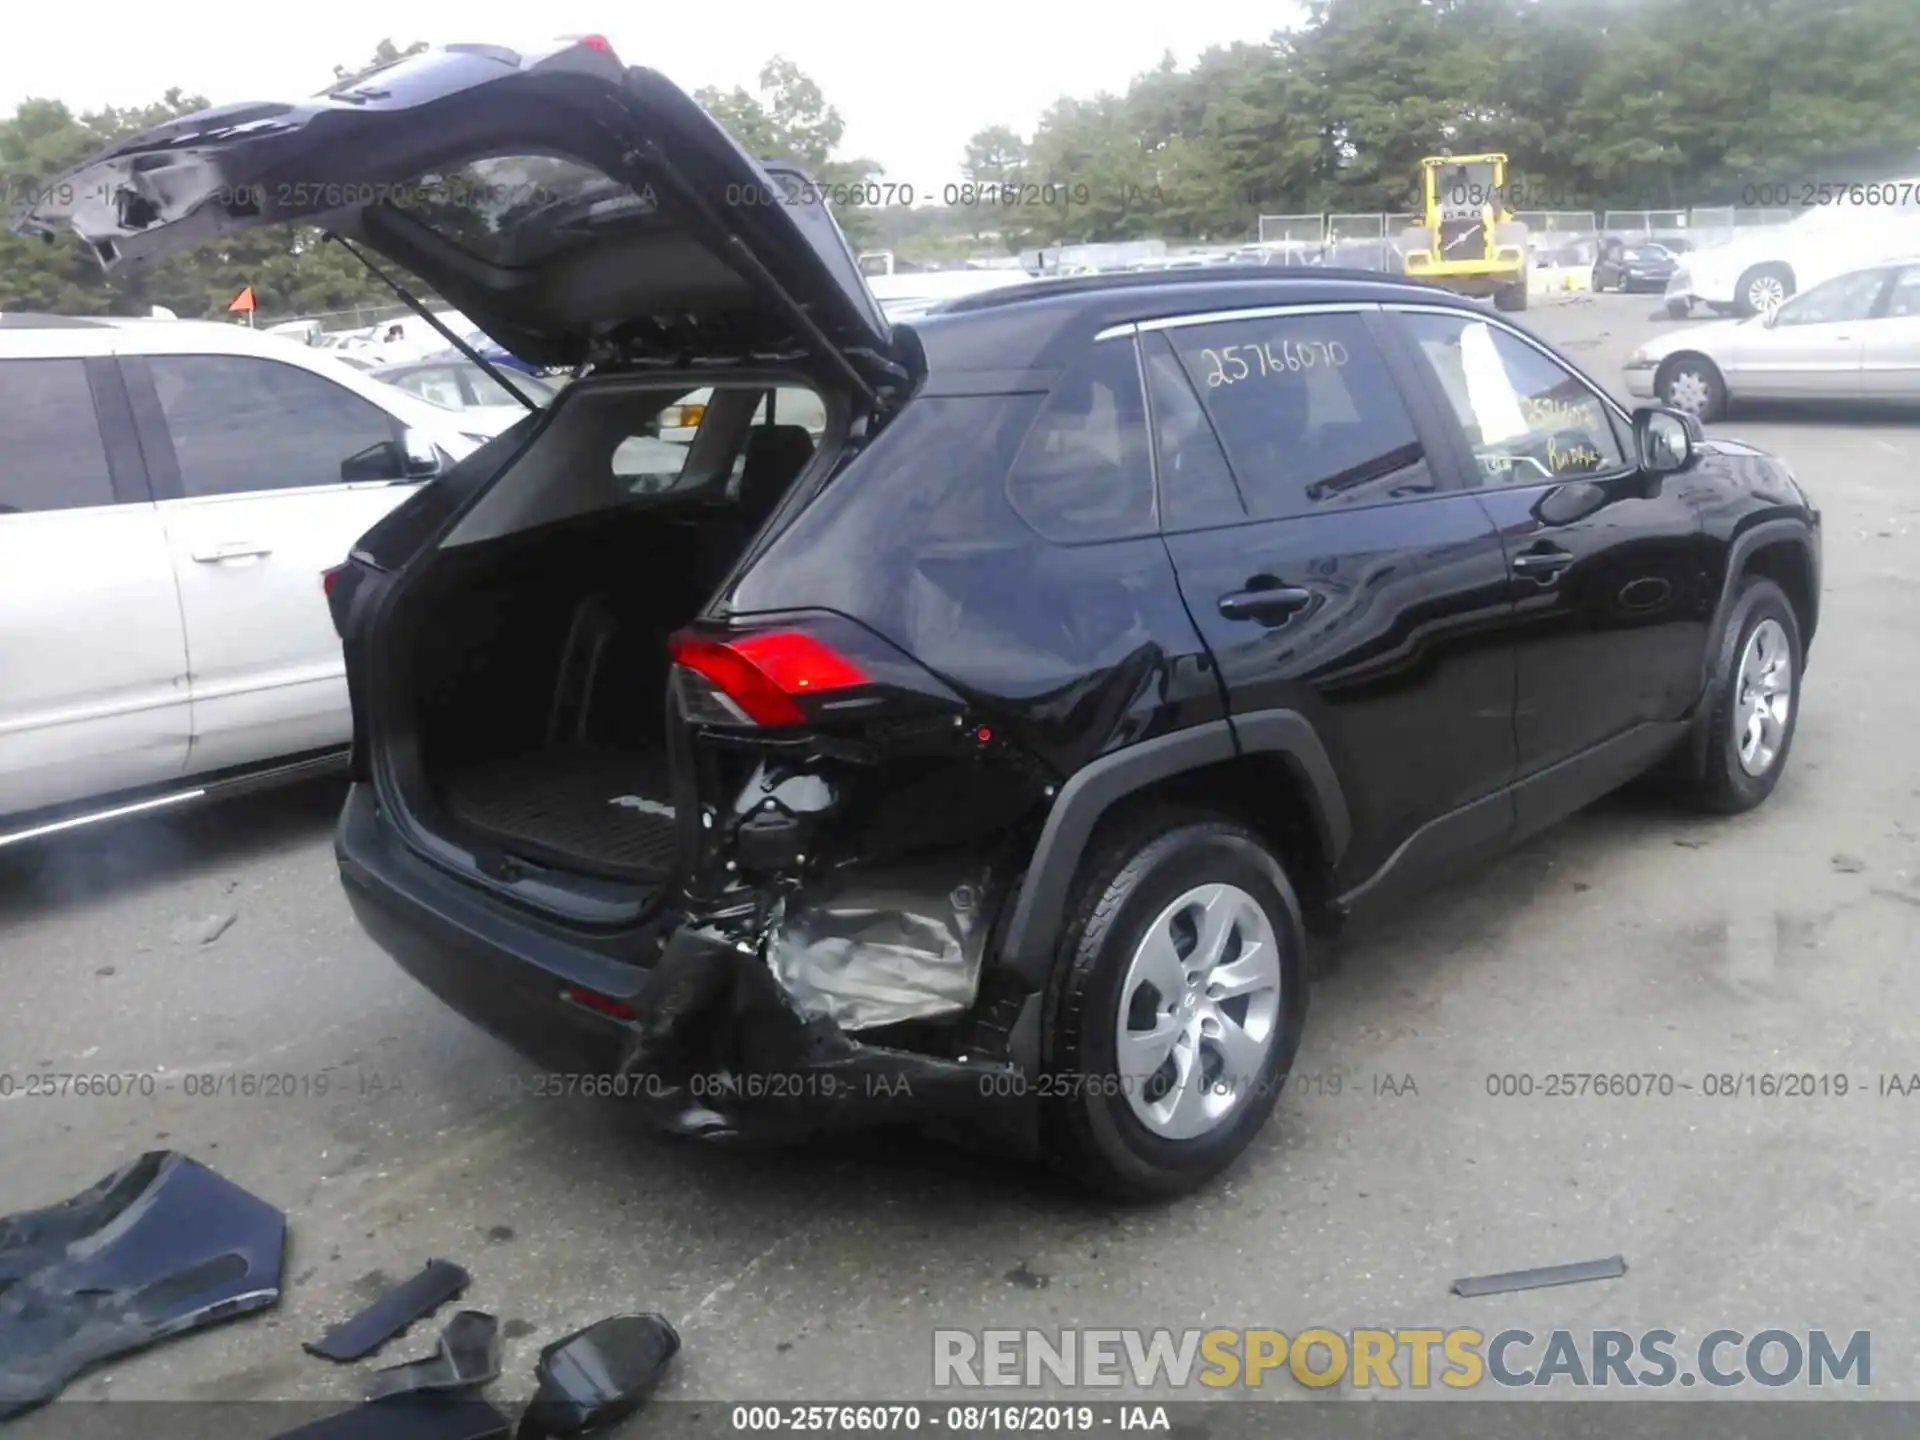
[1125, 883]
[1725, 787]
[1743, 299]
[1679, 307]
[1511, 297]
[1714, 405]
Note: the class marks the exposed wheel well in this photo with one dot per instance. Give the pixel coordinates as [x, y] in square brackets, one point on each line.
[1262, 792]
[1785, 563]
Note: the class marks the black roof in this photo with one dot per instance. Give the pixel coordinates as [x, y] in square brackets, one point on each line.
[1179, 279]
[1021, 334]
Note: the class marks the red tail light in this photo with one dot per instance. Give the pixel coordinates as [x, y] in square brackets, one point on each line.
[329, 578]
[761, 674]
[596, 42]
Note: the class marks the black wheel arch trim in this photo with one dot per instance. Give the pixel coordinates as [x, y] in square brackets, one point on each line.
[1040, 907]
[1767, 532]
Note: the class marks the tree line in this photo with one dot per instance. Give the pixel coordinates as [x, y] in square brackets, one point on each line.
[1599, 103]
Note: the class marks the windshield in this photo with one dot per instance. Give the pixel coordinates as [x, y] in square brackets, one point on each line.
[517, 210]
[1464, 189]
[488, 391]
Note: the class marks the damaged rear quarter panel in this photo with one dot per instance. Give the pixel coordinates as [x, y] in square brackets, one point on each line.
[1048, 655]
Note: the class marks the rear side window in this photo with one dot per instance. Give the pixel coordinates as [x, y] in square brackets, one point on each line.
[1197, 489]
[1084, 471]
[1308, 411]
[241, 424]
[51, 454]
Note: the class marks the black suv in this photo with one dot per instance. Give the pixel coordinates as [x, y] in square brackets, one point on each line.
[983, 752]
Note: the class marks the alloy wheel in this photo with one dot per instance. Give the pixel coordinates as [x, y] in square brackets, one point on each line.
[1766, 293]
[1763, 697]
[1199, 1011]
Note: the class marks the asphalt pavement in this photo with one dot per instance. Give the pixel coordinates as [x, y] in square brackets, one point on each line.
[1631, 940]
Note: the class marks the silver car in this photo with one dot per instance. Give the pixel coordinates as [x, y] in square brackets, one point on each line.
[1855, 337]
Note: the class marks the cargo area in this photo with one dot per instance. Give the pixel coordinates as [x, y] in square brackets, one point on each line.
[533, 677]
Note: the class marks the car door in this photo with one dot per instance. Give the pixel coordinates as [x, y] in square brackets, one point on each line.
[1607, 562]
[93, 654]
[1812, 347]
[1890, 359]
[267, 472]
[1335, 566]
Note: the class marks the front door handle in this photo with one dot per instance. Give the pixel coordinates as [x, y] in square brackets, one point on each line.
[232, 550]
[1541, 564]
[1269, 607]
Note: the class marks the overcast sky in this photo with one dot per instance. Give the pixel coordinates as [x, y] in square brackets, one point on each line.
[913, 82]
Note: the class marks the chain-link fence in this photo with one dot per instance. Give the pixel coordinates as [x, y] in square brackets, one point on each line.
[1569, 232]
[1308, 230]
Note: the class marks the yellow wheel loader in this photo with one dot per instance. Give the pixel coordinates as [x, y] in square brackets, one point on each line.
[1469, 241]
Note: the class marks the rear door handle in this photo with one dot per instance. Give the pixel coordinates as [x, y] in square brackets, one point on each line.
[232, 550]
[1269, 607]
[1541, 564]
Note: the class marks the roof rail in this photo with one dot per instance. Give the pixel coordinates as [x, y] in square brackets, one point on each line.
[35, 320]
[1157, 279]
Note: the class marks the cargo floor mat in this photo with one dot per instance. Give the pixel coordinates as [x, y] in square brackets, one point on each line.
[598, 808]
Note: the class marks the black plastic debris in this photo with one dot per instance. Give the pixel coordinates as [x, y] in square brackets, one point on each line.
[158, 1248]
[467, 1357]
[392, 1313]
[1611, 1268]
[423, 1416]
[598, 1375]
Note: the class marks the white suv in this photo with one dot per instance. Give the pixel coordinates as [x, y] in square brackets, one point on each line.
[1840, 229]
[171, 493]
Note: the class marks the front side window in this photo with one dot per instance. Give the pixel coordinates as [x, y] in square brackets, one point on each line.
[240, 424]
[1903, 301]
[51, 454]
[1529, 419]
[1844, 298]
[1308, 411]
[1084, 472]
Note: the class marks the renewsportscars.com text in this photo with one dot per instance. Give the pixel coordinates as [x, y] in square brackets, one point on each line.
[1413, 1359]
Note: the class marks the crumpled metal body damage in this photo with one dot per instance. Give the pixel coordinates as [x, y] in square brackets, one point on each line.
[158, 1248]
[723, 1051]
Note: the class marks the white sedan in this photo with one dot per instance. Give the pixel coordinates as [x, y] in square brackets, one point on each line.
[1855, 337]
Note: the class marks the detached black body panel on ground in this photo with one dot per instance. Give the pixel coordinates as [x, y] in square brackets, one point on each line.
[157, 1249]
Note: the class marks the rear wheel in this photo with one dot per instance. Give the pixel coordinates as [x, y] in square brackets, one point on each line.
[1692, 383]
[1179, 1006]
[1762, 289]
[1679, 307]
[1511, 297]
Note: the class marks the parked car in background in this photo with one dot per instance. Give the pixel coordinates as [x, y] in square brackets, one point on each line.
[458, 384]
[1633, 265]
[1759, 269]
[1854, 337]
[170, 494]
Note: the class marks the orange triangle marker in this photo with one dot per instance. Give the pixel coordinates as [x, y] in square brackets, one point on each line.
[243, 301]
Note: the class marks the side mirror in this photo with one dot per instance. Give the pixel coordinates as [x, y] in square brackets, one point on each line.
[420, 458]
[1666, 439]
